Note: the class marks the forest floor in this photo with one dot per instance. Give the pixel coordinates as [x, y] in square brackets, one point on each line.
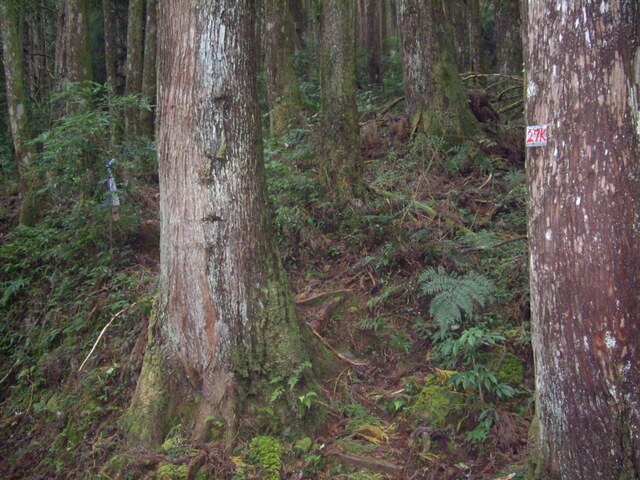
[419, 394]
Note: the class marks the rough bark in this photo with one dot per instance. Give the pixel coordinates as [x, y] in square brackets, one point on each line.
[508, 38]
[435, 96]
[147, 117]
[225, 319]
[583, 69]
[285, 102]
[17, 101]
[135, 60]
[340, 149]
[73, 63]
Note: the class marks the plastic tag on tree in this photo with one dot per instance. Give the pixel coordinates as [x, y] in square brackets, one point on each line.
[536, 135]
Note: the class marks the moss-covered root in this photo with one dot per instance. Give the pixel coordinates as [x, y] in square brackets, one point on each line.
[145, 422]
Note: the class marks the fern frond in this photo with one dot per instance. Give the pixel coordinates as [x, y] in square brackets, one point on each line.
[454, 296]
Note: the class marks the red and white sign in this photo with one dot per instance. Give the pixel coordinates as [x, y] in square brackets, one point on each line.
[536, 135]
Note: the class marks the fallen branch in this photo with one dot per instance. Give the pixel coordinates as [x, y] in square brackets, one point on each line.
[104, 330]
[494, 245]
[418, 206]
[303, 300]
[469, 76]
[390, 105]
[334, 351]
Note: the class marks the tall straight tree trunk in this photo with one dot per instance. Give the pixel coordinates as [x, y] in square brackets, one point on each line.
[73, 62]
[474, 28]
[225, 321]
[583, 64]
[38, 65]
[285, 102]
[373, 32]
[147, 117]
[435, 96]
[508, 37]
[17, 101]
[110, 49]
[135, 59]
[340, 149]
[457, 14]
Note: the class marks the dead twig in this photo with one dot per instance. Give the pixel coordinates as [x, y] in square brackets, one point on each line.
[334, 351]
[105, 329]
[304, 300]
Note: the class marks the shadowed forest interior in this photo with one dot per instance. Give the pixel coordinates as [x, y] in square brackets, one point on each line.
[319, 239]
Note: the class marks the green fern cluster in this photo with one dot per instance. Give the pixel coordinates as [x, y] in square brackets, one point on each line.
[453, 296]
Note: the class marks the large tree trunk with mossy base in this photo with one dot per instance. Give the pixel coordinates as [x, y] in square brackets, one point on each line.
[17, 103]
[435, 96]
[225, 322]
[583, 81]
[285, 102]
[340, 147]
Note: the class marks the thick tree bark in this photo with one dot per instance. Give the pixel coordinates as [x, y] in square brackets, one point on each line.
[340, 148]
[73, 63]
[225, 320]
[435, 96]
[283, 91]
[135, 59]
[583, 64]
[508, 37]
[17, 101]
[147, 117]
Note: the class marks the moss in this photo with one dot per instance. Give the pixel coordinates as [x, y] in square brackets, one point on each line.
[534, 460]
[170, 471]
[508, 368]
[266, 453]
[438, 406]
[144, 423]
[117, 465]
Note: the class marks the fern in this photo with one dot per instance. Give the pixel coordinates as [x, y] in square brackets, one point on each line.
[454, 296]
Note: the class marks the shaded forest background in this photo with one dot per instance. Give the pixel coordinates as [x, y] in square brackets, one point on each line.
[409, 265]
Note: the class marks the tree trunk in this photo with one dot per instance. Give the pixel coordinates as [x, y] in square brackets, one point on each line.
[147, 117]
[508, 37]
[285, 103]
[435, 96]
[110, 49]
[225, 322]
[457, 14]
[135, 58]
[474, 28]
[340, 148]
[38, 66]
[374, 46]
[582, 64]
[73, 62]
[17, 102]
